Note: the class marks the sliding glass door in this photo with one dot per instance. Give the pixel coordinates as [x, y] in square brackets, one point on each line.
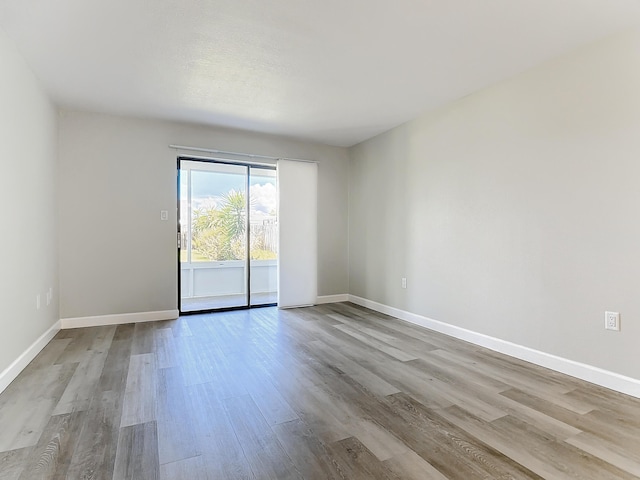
[263, 236]
[227, 235]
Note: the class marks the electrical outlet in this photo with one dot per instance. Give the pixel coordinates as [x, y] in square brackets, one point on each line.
[404, 282]
[612, 321]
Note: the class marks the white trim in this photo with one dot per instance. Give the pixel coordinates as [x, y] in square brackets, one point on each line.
[589, 373]
[343, 297]
[79, 322]
[12, 371]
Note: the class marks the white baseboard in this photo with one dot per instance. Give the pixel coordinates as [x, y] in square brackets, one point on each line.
[118, 319]
[598, 376]
[343, 297]
[12, 371]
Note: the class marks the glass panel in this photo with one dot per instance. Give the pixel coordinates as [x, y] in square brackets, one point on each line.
[213, 219]
[184, 215]
[263, 236]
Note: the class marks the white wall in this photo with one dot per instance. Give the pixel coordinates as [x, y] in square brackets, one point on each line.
[28, 140]
[516, 211]
[117, 173]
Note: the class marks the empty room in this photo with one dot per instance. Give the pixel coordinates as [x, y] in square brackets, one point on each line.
[280, 239]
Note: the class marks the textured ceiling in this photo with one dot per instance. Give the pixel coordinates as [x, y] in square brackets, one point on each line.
[331, 71]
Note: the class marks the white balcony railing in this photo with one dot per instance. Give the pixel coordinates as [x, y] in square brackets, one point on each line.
[212, 279]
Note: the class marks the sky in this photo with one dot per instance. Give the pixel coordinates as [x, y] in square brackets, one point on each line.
[208, 187]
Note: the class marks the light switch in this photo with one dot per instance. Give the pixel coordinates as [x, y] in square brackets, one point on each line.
[164, 215]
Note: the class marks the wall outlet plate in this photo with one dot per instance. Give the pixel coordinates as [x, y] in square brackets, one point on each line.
[612, 321]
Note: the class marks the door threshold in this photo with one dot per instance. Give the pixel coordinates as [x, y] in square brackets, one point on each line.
[226, 309]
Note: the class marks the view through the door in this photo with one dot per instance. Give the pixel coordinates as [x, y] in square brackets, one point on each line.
[215, 212]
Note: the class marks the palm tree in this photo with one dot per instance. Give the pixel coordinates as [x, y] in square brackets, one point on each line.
[233, 215]
[219, 233]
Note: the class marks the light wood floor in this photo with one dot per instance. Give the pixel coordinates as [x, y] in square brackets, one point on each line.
[329, 392]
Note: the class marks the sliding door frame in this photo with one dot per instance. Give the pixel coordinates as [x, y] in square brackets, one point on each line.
[248, 166]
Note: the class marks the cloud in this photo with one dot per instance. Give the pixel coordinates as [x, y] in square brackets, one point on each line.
[264, 197]
[204, 202]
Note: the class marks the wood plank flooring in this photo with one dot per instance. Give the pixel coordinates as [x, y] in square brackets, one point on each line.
[329, 392]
